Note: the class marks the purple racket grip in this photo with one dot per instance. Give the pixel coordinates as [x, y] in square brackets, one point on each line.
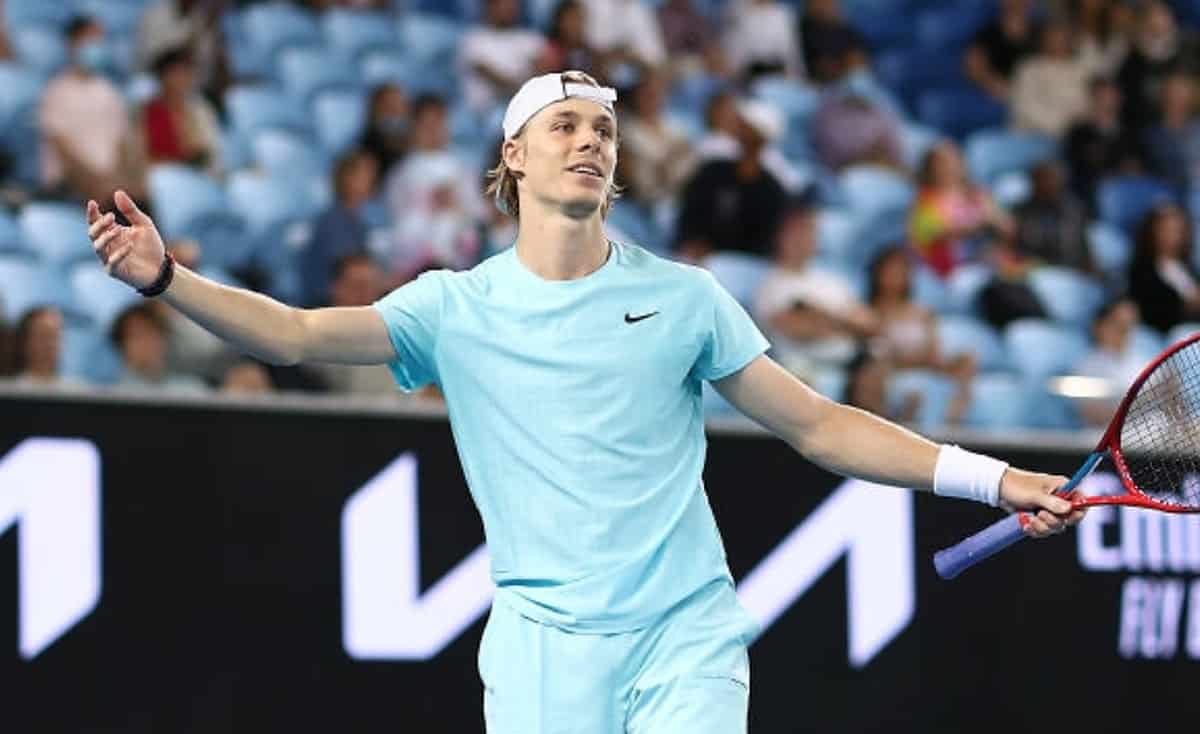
[986, 543]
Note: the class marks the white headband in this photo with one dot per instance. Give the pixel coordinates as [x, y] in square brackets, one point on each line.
[547, 89]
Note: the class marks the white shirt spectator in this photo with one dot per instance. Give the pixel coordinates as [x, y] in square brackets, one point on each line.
[436, 213]
[821, 289]
[630, 23]
[163, 28]
[762, 33]
[509, 52]
[1048, 95]
[88, 113]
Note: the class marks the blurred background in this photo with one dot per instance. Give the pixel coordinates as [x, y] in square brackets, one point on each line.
[936, 210]
[972, 216]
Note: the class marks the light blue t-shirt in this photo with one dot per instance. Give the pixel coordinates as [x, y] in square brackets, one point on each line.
[575, 406]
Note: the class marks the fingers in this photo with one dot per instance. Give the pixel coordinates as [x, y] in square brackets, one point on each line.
[93, 211]
[105, 240]
[100, 223]
[1056, 504]
[117, 257]
[130, 209]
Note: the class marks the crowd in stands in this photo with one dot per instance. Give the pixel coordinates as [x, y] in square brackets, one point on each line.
[930, 207]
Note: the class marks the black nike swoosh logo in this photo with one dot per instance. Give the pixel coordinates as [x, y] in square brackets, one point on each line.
[634, 319]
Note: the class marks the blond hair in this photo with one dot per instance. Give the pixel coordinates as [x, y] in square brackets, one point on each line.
[502, 181]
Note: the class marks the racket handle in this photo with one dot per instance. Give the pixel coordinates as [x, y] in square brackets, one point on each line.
[952, 561]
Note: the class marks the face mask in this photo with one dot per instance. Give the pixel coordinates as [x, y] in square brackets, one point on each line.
[93, 56]
[392, 125]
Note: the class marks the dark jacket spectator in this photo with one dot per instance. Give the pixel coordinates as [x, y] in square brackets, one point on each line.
[1160, 49]
[999, 46]
[1052, 224]
[1101, 144]
[831, 47]
[340, 230]
[1162, 280]
[389, 122]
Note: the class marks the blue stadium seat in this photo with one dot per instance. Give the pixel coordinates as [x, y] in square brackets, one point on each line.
[1069, 296]
[26, 283]
[935, 390]
[282, 153]
[40, 48]
[629, 222]
[356, 33]
[99, 297]
[958, 334]
[928, 289]
[908, 71]
[959, 111]
[882, 22]
[56, 233]
[1110, 247]
[270, 27]
[255, 108]
[796, 101]
[992, 153]
[1147, 342]
[738, 273]
[120, 17]
[279, 214]
[18, 13]
[879, 200]
[1182, 331]
[1039, 348]
[89, 355]
[998, 401]
[11, 237]
[430, 40]
[837, 230]
[915, 141]
[20, 91]
[1125, 200]
[307, 70]
[963, 287]
[383, 67]
[188, 203]
[950, 26]
[339, 117]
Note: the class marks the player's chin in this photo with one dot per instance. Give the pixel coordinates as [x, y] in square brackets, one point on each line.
[582, 206]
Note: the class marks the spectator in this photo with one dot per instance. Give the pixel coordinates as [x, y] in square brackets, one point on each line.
[1104, 27]
[140, 336]
[867, 380]
[952, 218]
[1049, 88]
[389, 123]
[761, 39]
[1173, 144]
[498, 56]
[848, 129]
[1112, 359]
[1100, 145]
[832, 48]
[566, 45]
[1159, 49]
[190, 24]
[38, 345]
[1052, 224]
[434, 204]
[247, 377]
[89, 146]
[1162, 281]
[178, 125]
[661, 153]
[999, 46]
[357, 281]
[908, 332]
[687, 34]
[340, 230]
[624, 32]
[811, 315]
[724, 122]
[733, 204]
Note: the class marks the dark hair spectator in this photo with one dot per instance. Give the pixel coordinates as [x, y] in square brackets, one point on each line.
[178, 125]
[1049, 87]
[1160, 48]
[566, 43]
[341, 229]
[1100, 144]
[999, 46]
[832, 47]
[37, 346]
[140, 335]
[1162, 280]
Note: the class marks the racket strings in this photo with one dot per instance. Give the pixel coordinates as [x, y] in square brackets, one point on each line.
[1160, 436]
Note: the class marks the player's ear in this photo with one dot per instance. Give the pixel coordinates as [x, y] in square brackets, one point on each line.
[513, 153]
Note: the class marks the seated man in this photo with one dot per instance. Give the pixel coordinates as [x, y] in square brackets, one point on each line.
[89, 145]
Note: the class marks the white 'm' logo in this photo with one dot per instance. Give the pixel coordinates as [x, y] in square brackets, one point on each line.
[51, 487]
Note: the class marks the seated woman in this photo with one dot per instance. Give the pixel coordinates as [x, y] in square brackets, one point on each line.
[179, 125]
[1162, 280]
[908, 335]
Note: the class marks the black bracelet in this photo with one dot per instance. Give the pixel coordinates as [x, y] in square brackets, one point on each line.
[165, 275]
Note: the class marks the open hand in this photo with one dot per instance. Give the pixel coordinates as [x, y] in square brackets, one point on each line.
[1048, 513]
[133, 254]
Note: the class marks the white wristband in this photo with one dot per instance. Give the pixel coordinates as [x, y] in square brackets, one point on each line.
[968, 475]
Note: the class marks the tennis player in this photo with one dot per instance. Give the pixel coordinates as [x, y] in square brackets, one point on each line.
[572, 367]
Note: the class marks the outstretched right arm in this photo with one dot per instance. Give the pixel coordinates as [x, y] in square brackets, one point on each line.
[260, 326]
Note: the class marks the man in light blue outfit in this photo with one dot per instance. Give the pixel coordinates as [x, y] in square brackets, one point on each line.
[572, 370]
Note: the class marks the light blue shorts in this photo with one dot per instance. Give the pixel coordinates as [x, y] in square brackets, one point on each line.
[687, 673]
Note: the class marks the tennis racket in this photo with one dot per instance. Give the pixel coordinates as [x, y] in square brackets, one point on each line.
[1153, 441]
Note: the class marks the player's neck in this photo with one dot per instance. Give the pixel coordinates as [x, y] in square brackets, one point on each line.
[560, 248]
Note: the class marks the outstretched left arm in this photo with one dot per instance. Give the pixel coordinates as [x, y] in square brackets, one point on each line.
[856, 443]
